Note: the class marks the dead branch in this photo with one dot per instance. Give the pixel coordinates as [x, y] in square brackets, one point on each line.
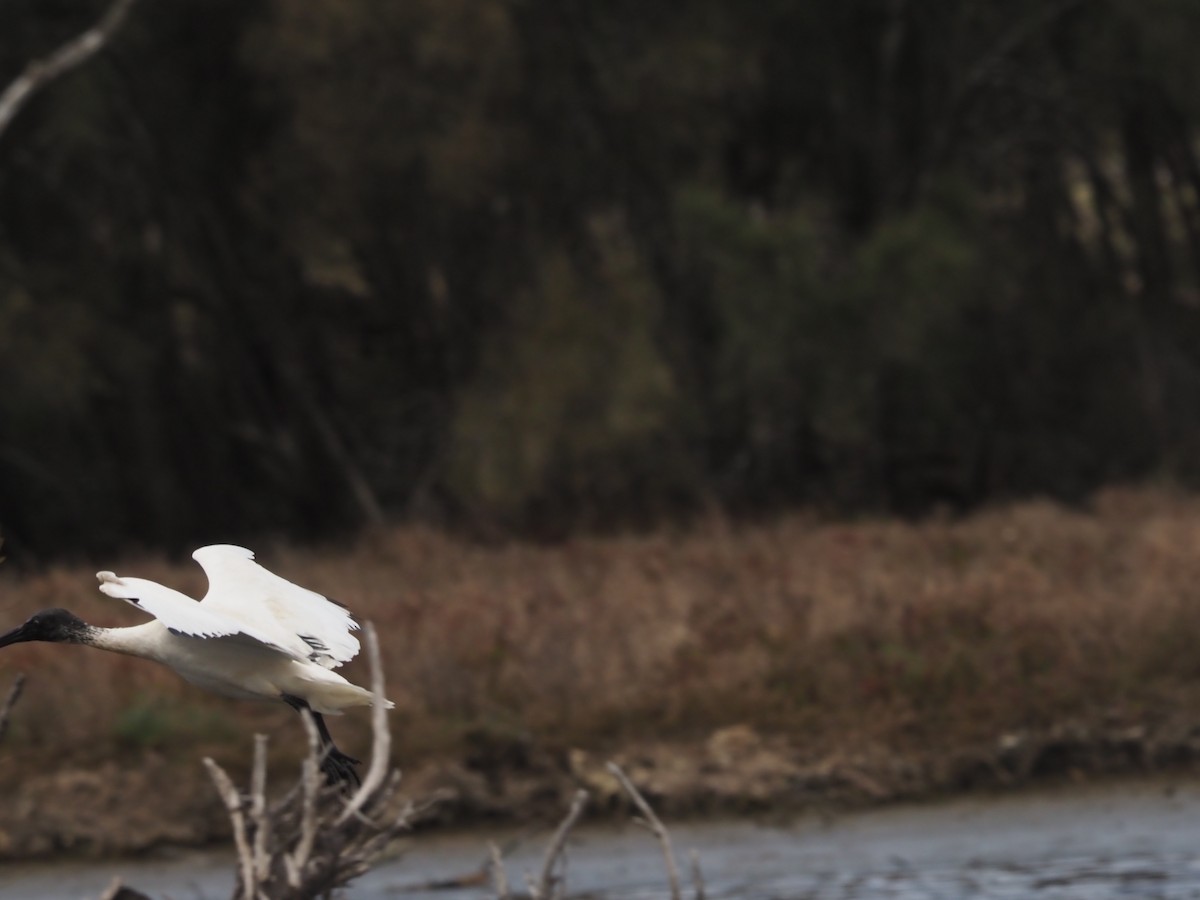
[40, 72]
[651, 821]
[258, 808]
[313, 840]
[234, 805]
[381, 745]
[14, 694]
[697, 875]
[499, 876]
[310, 786]
[541, 889]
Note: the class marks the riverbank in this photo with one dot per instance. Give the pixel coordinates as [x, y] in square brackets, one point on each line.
[144, 804]
[729, 668]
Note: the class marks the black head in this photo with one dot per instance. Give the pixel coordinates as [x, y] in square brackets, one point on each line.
[48, 625]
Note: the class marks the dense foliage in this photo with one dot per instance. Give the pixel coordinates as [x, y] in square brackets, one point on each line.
[295, 267]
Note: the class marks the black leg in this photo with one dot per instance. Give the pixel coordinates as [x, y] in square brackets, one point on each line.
[337, 766]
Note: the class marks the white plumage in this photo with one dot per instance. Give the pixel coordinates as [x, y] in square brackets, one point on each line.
[244, 598]
[254, 635]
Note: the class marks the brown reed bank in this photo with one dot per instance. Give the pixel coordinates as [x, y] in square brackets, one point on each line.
[824, 638]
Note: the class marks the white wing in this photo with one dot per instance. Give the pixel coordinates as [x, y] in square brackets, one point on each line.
[180, 613]
[309, 625]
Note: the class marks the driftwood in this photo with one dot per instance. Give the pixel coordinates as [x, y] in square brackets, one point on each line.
[315, 838]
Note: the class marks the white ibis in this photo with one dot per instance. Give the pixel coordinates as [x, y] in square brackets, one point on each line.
[254, 635]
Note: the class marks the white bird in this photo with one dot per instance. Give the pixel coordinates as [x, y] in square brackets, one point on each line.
[254, 635]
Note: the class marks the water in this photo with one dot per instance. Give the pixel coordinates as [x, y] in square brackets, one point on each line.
[1128, 841]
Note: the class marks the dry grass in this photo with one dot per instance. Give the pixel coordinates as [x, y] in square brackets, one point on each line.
[939, 633]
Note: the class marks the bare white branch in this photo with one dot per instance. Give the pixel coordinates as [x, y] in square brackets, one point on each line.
[40, 72]
[233, 803]
[697, 875]
[310, 786]
[312, 841]
[556, 846]
[381, 746]
[499, 875]
[258, 809]
[654, 824]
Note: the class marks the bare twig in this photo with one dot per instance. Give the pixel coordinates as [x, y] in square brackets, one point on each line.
[382, 738]
[654, 824]
[14, 694]
[313, 840]
[541, 888]
[499, 876]
[310, 786]
[40, 72]
[697, 875]
[233, 804]
[258, 809]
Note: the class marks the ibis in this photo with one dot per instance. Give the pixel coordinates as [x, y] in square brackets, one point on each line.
[255, 635]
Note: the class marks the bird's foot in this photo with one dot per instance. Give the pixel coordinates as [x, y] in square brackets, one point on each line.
[339, 768]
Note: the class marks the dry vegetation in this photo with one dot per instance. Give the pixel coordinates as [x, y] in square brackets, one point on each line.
[832, 636]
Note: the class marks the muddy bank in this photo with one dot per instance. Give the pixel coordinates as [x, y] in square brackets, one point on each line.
[135, 805]
[738, 770]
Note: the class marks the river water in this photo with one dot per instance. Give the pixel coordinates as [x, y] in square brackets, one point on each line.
[1139, 840]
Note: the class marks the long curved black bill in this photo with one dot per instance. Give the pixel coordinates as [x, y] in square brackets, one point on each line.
[16, 636]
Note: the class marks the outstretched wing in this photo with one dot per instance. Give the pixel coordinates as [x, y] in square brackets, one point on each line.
[181, 614]
[308, 624]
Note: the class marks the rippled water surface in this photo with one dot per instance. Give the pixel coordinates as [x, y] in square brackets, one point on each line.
[1129, 841]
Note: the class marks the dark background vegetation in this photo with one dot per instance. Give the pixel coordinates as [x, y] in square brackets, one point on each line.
[538, 265]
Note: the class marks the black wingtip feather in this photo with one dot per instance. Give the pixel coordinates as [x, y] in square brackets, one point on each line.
[337, 604]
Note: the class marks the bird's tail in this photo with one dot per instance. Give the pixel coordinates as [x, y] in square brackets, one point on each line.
[329, 696]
